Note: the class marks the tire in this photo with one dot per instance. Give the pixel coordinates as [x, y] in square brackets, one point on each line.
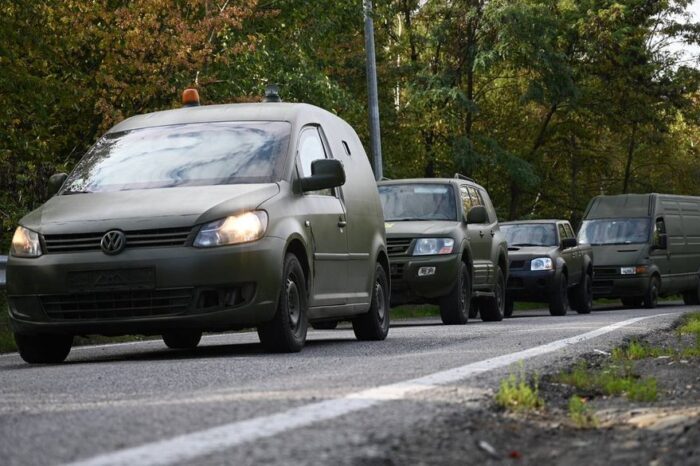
[582, 296]
[692, 297]
[374, 325]
[559, 303]
[454, 308]
[182, 339]
[651, 297]
[510, 305]
[44, 349]
[286, 332]
[474, 308]
[493, 307]
[327, 325]
[631, 301]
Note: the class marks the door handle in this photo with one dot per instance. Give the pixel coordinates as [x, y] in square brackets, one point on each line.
[342, 223]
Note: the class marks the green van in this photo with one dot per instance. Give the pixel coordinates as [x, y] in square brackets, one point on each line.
[645, 245]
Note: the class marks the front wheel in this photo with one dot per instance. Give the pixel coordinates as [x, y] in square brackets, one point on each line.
[374, 325]
[651, 297]
[286, 332]
[43, 349]
[492, 308]
[559, 303]
[582, 296]
[454, 308]
[182, 339]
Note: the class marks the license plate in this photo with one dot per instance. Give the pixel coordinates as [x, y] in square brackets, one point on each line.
[131, 279]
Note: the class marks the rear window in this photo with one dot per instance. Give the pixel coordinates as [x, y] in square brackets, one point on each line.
[405, 202]
[196, 154]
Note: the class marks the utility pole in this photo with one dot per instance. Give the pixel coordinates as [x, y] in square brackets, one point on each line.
[375, 137]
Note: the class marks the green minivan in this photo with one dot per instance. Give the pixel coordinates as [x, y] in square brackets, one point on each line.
[208, 218]
[645, 246]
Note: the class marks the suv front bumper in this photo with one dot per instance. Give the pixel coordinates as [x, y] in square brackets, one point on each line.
[146, 291]
[527, 285]
[408, 287]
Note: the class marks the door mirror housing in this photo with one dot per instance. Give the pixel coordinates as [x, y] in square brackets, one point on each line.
[325, 174]
[55, 182]
[568, 243]
[660, 241]
[477, 214]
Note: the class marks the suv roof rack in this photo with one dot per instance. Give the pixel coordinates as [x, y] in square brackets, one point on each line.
[459, 176]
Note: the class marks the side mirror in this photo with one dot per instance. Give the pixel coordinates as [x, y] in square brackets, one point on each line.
[477, 214]
[325, 174]
[568, 243]
[661, 241]
[55, 182]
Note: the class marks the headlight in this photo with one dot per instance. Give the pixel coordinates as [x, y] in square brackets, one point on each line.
[542, 263]
[236, 229]
[433, 246]
[25, 243]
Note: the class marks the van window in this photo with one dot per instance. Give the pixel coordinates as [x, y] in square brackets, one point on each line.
[310, 149]
[615, 231]
[659, 229]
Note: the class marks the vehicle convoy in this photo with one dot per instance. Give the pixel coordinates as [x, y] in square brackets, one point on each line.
[548, 265]
[207, 218]
[645, 246]
[445, 247]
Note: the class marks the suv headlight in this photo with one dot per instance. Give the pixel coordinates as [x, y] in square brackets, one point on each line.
[235, 229]
[433, 246]
[542, 263]
[25, 243]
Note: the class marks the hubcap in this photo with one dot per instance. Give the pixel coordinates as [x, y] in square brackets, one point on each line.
[379, 298]
[293, 304]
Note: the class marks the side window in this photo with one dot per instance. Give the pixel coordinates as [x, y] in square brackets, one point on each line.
[467, 203]
[310, 149]
[659, 229]
[569, 231]
[562, 232]
[476, 198]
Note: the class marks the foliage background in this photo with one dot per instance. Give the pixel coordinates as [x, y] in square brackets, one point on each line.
[545, 102]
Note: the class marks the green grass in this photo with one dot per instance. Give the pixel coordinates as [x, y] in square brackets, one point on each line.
[415, 311]
[636, 351]
[611, 380]
[580, 413]
[516, 394]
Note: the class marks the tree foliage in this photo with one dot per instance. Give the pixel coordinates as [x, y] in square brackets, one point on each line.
[546, 103]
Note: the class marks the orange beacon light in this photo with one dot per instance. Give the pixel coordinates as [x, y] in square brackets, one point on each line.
[190, 97]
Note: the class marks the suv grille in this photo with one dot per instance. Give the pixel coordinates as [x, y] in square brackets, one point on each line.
[606, 272]
[117, 304]
[517, 265]
[398, 246]
[134, 239]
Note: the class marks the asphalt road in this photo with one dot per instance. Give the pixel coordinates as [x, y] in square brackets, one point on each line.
[228, 402]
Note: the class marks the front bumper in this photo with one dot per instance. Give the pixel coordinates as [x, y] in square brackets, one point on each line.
[408, 287]
[146, 291]
[620, 287]
[528, 285]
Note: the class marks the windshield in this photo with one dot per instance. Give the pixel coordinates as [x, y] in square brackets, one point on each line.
[195, 154]
[615, 231]
[531, 234]
[403, 202]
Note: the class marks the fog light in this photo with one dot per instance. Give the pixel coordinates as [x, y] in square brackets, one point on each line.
[426, 271]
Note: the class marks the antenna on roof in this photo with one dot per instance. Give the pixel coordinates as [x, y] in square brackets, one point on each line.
[272, 93]
[459, 176]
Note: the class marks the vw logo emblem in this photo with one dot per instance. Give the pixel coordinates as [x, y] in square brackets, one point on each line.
[113, 242]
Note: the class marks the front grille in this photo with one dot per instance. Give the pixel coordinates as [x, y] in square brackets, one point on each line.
[398, 246]
[134, 239]
[517, 265]
[606, 272]
[117, 304]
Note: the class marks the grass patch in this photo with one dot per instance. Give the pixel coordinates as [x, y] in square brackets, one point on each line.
[636, 350]
[581, 414]
[516, 394]
[611, 380]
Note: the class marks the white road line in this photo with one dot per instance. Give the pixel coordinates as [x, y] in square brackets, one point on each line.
[197, 444]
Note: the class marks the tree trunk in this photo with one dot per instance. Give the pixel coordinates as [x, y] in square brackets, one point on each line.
[630, 155]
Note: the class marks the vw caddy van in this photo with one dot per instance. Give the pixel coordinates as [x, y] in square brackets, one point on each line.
[645, 246]
[207, 218]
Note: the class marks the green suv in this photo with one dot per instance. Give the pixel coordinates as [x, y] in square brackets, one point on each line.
[207, 218]
[445, 247]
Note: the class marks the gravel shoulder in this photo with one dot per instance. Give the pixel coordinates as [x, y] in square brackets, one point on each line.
[661, 432]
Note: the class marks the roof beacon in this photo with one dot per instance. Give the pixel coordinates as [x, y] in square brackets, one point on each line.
[190, 98]
[272, 94]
